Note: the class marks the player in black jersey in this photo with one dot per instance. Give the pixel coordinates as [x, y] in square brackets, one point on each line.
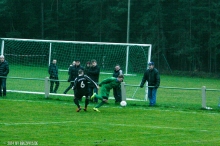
[81, 89]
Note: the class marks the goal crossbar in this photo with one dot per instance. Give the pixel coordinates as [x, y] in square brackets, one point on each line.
[76, 42]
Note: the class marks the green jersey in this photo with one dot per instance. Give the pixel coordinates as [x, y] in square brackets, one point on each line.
[107, 84]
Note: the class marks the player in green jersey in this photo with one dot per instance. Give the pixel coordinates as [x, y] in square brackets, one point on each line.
[106, 85]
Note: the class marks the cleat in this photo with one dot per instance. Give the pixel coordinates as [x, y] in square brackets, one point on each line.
[92, 97]
[95, 109]
[85, 109]
[78, 110]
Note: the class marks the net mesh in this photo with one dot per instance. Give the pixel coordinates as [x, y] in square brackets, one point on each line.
[31, 55]
[29, 59]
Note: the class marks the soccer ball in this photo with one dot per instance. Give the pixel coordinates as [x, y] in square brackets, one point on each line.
[123, 103]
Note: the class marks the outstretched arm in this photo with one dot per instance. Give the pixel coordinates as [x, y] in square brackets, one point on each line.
[106, 81]
[91, 81]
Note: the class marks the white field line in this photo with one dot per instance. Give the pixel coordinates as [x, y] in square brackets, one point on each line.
[95, 123]
[122, 125]
[57, 94]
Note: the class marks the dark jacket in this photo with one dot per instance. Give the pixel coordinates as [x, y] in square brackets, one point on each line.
[53, 70]
[93, 73]
[152, 76]
[116, 73]
[73, 72]
[86, 69]
[4, 68]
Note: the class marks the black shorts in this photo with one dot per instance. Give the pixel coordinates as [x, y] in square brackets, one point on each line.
[79, 96]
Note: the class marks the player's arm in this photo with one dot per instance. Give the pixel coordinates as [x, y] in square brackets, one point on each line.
[106, 81]
[74, 85]
[91, 81]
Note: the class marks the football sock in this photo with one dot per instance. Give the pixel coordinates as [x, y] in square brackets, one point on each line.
[100, 104]
[76, 101]
[86, 102]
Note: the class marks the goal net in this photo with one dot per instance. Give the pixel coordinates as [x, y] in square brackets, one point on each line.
[29, 58]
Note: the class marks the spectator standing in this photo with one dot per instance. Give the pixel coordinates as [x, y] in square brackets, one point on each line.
[73, 73]
[87, 67]
[53, 71]
[106, 85]
[4, 70]
[117, 90]
[81, 88]
[71, 83]
[151, 75]
[93, 73]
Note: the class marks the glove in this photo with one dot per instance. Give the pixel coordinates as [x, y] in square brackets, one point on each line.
[141, 86]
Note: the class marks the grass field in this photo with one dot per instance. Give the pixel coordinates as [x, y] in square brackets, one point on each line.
[30, 119]
[54, 122]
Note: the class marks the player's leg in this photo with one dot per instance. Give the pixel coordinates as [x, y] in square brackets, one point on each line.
[104, 100]
[95, 91]
[76, 101]
[100, 104]
[90, 92]
[98, 97]
[104, 94]
[86, 103]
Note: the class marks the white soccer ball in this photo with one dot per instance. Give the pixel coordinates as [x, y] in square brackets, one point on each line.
[123, 103]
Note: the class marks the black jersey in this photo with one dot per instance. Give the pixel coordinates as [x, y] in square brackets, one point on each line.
[81, 84]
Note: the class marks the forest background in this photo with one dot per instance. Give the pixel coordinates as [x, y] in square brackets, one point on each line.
[184, 34]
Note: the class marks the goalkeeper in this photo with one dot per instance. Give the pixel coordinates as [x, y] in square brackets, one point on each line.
[106, 85]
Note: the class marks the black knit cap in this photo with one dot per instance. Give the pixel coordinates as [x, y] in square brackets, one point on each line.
[151, 63]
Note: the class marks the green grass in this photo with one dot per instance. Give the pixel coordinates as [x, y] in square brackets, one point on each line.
[176, 120]
[54, 122]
